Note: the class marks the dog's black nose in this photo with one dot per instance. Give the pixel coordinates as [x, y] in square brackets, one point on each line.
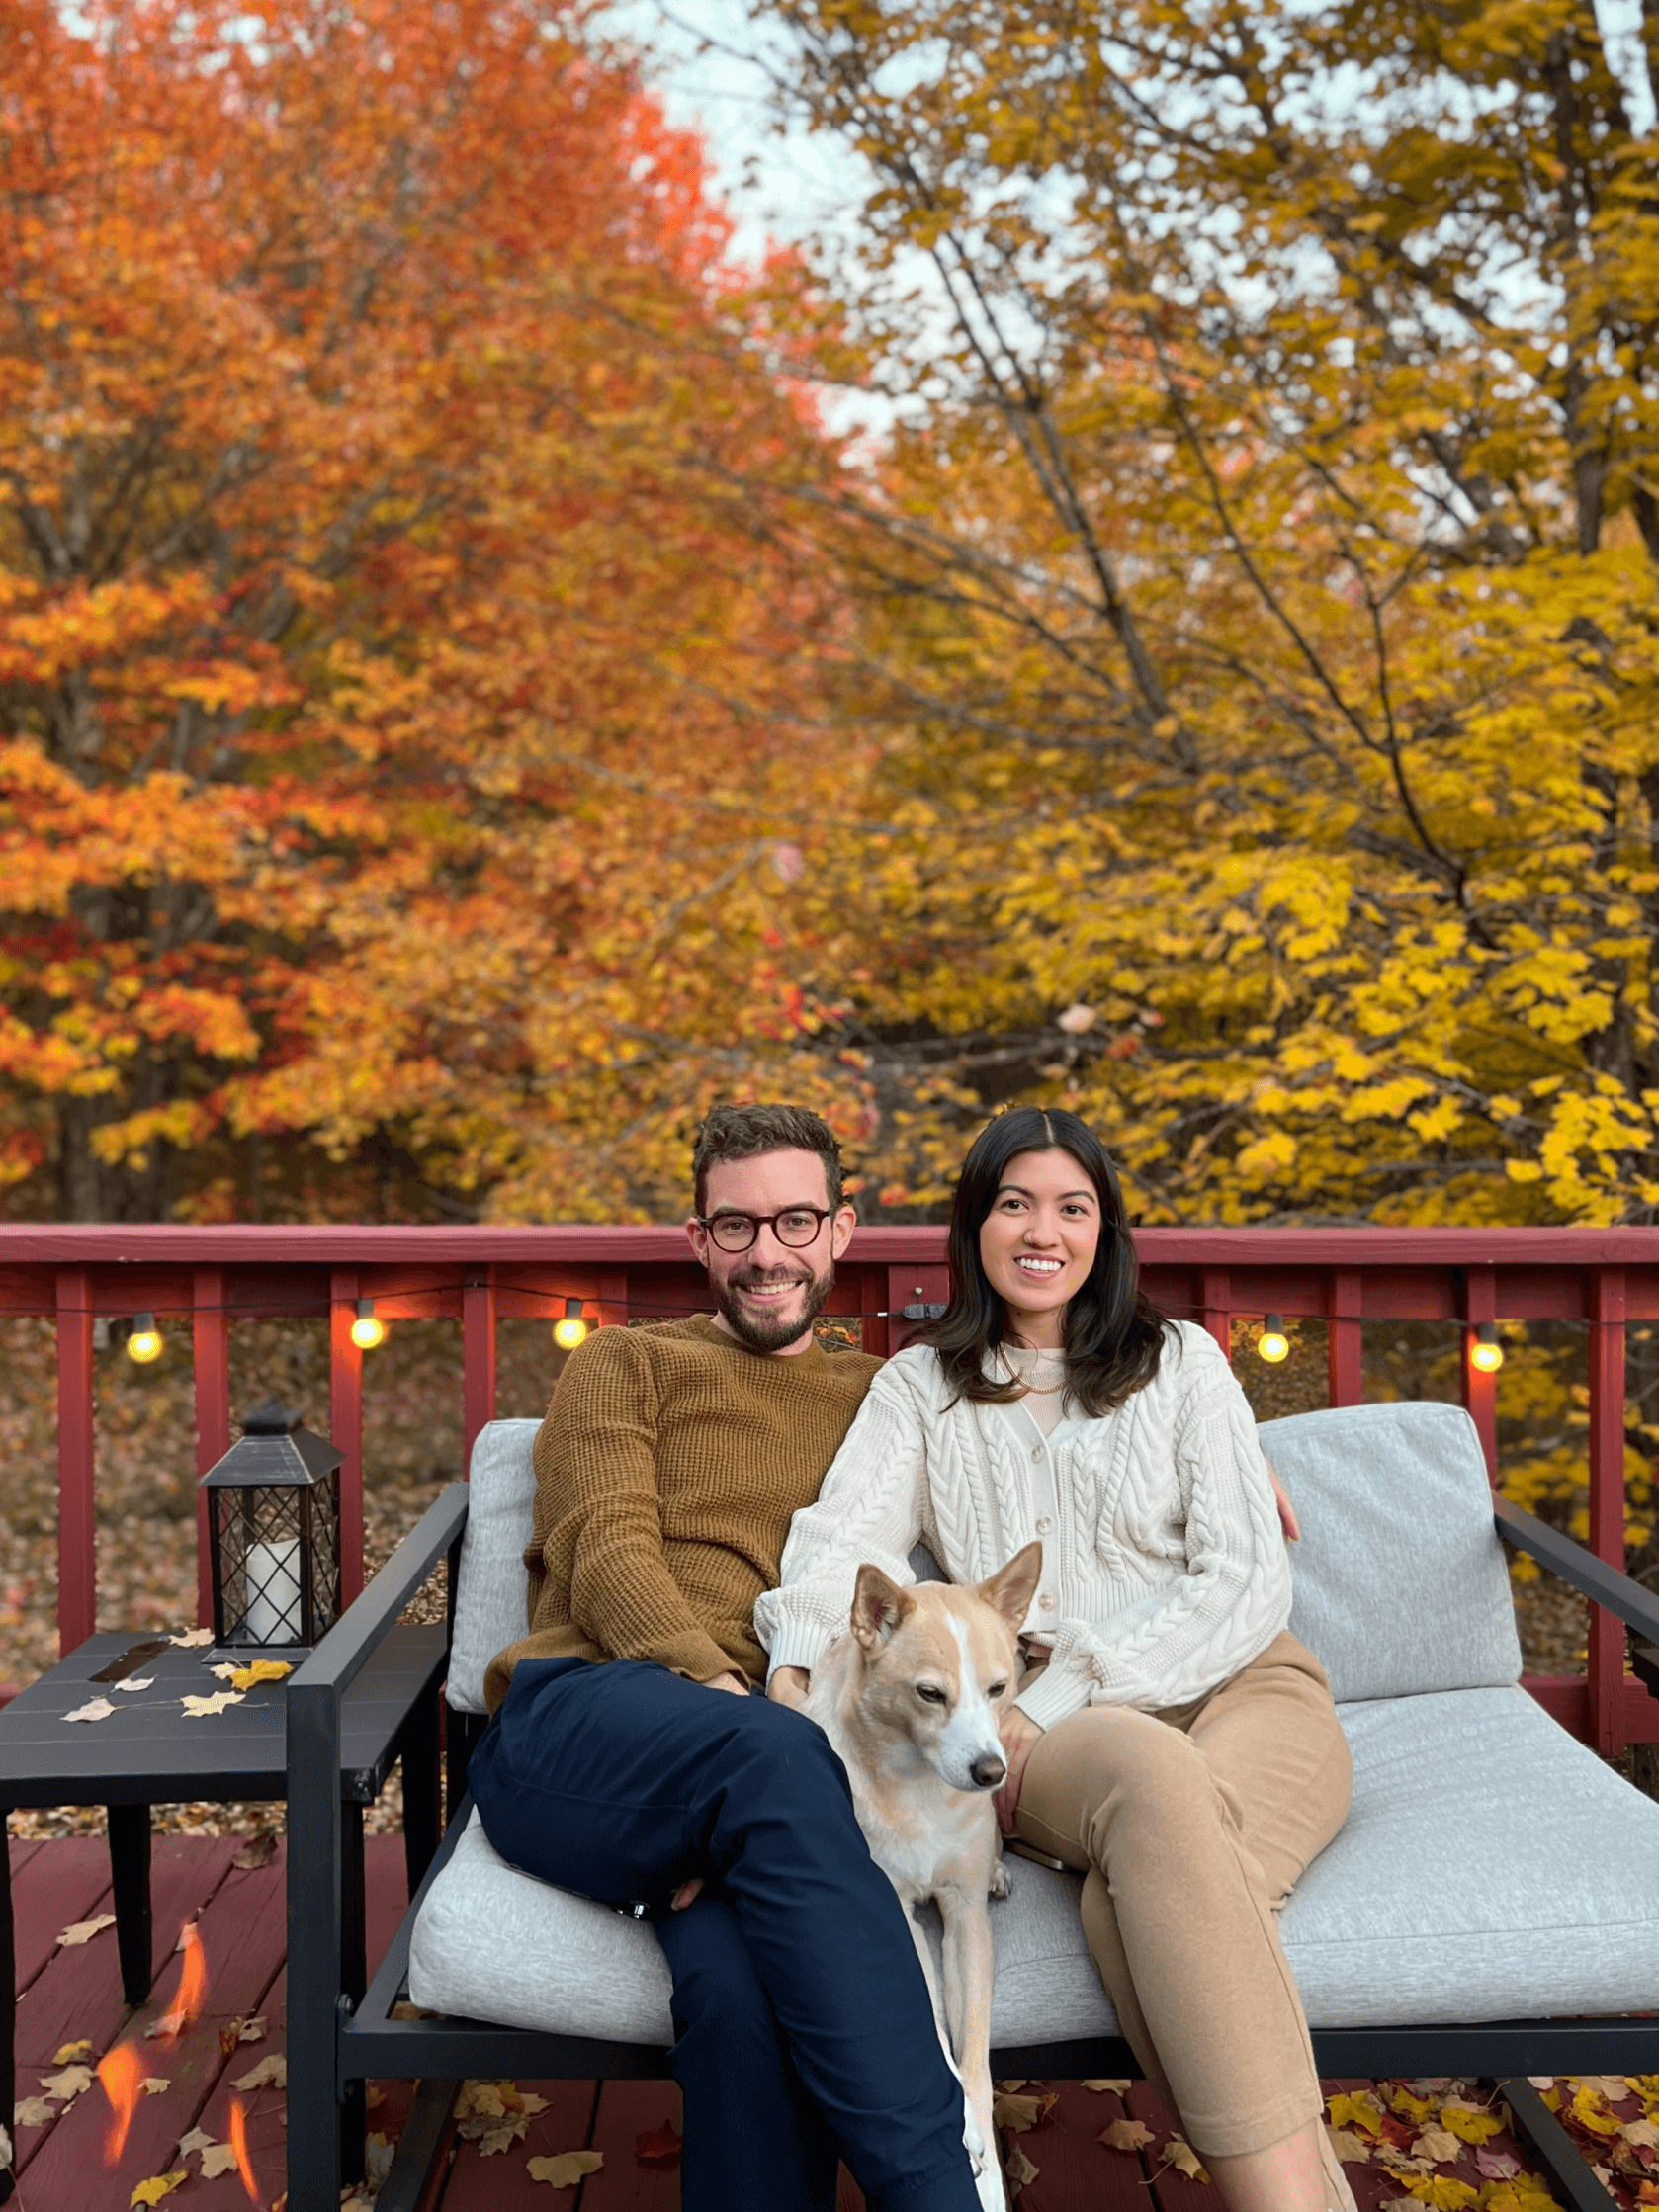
[988, 1771]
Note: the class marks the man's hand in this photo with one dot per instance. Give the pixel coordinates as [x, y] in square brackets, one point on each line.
[1020, 1736]
[738, 1684]
[1286, 1512]
[790, 1686]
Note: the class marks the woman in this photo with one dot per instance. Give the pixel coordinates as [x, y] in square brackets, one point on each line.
[1170, 1740]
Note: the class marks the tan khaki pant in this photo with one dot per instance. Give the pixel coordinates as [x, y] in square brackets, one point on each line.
[1192, 1828]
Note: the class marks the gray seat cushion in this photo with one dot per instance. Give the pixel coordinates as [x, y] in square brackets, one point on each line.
[493, 1588]
[1400, 1586]
[1491, 1868]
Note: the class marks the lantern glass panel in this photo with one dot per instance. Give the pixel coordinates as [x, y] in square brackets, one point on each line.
[277, 1560]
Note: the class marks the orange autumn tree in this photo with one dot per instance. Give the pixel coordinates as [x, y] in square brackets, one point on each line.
[404, 738]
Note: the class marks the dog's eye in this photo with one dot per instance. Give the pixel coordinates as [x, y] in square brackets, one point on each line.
[928, 1694]
[996, 1689]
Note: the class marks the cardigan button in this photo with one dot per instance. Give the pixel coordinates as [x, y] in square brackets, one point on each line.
[1037, 1453]
[1046, 1601]
[1045, 1524]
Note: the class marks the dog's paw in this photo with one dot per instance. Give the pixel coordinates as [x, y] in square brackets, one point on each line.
[1000, 1885]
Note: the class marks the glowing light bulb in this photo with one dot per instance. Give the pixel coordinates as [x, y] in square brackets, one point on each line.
[1273, 1344]
[365, 1331]
[569, 1329]
[1486, 1353]
[145, 1341]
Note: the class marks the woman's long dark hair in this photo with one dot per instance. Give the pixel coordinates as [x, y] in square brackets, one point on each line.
[1114, 1336]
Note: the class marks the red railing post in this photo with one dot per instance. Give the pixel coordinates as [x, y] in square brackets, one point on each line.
[478, 1360]
[345, 1424]
[1607, 1503]
[1480, 1390]
[212, 1350]
[1345, 1345]
[77, 1538]
[1216, 1292]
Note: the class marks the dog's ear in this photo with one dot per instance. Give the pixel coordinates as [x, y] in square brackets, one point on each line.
[1011, 1590]
[878, 1606]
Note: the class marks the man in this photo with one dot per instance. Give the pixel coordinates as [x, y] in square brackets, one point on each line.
[629, 1757]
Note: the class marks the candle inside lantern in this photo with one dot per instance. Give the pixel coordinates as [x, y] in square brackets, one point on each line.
[273, 1587]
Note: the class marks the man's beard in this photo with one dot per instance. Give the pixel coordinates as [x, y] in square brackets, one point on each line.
[772, 1335]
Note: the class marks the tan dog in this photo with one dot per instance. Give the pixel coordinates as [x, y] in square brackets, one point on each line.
[913, 1698]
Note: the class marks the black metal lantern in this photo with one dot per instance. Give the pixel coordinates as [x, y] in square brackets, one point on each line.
[274, 1534]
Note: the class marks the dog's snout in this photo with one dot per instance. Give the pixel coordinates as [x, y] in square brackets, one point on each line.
[988, 1771]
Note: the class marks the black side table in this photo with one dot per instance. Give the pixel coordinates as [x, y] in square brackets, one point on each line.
[150, 1752]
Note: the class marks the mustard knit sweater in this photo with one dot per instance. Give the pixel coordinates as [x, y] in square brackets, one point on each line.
[667, 1471]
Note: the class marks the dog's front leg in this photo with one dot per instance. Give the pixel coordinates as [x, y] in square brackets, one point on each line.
[978, 2138]
[970, 1959]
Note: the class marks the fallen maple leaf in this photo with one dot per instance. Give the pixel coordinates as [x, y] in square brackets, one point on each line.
[1125, 2135]
[1642, 2134]
[1442, 2194]
[67, 2053]
[258, 1850]
[502, 2136]
[259, 1670]
[197, 2140]
[658, 2146]
[1019, 2169]
[218, 2159]
[192, 1639]
[155, 2085]
[97, 1709]
[1469, 2123]
[1117, 2088]
[135, 1682]
[271, 2073]
[1011, 2086]
[153, 2190]
[225, 1669]
[33, 2112]
[1179, 2153]
[1615, 2087]
[568, 2168]
[1362, 2111]
[1016, 2113]
[73, 2081]
[1438, 2145]
[241, 2031]
[1351, 2149]
[1410, 2107]
[1495, 2165]
[1589, 2108]
[199, 1708]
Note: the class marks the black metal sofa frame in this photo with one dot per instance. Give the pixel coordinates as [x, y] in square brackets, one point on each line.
[337, 2040]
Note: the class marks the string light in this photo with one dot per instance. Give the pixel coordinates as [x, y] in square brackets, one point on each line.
[365, 1331]
[1486, 1354]
[571, 1329]
[1273, 1343]
[145, 1341]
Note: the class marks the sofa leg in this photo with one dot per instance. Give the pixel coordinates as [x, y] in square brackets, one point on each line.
[424, 2151]
[1572, 2180]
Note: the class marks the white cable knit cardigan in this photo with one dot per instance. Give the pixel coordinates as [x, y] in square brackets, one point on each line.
[1166, 1571]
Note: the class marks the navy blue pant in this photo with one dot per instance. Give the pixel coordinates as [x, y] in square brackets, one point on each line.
[804, 2028]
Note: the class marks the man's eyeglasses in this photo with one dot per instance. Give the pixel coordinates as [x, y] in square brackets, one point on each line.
[796, 1225]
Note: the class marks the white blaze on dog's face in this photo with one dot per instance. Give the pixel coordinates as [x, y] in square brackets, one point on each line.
[940, 1666]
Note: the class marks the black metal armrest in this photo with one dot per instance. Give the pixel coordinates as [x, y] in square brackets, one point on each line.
[341, 1656]
[1606, 1585]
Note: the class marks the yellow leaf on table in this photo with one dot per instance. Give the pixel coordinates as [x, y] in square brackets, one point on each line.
[199, 1708]
[1438, 2145]
[1117, 2087]
[67, 2053]
[1125, 2135]
[1469, 2124]
[259, 1670]
[565, 2170]
[271, 2073]
[1351, 2149]
[153, 2190]
[1179, 2153]
[75, 2081]
[218, 2159]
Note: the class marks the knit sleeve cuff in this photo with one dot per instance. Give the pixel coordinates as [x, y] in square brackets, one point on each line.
[798, 1643]
[1056, 1694]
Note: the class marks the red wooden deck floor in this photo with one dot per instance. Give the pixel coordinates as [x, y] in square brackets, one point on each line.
[70, 1994]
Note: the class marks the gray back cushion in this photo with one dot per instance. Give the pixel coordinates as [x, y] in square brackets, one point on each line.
[490, 1610]
[1400, 1582]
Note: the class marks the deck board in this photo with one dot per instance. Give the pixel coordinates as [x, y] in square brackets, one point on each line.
[72, 1994]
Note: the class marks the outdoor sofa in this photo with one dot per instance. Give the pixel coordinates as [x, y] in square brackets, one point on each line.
[1489, 1909]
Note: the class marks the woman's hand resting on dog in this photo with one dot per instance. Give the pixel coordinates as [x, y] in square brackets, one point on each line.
[1020, 1736]
[790, 1686]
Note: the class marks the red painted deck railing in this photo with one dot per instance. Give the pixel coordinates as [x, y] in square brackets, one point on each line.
[1604, 1278]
